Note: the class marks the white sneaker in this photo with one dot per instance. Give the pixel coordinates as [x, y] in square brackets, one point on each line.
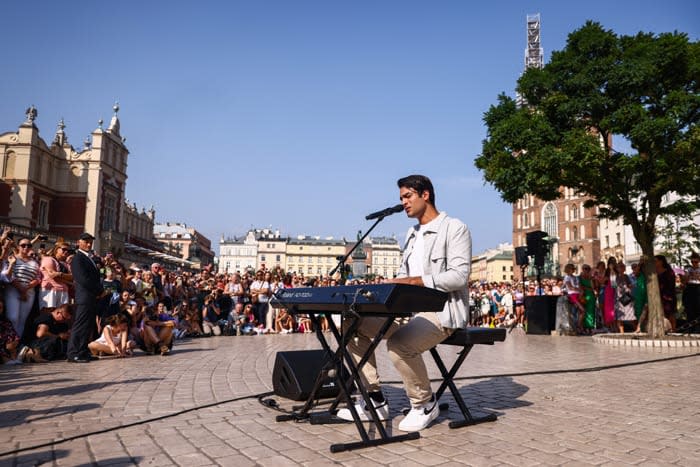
[420, 417]
[382, 409]
[22, 355]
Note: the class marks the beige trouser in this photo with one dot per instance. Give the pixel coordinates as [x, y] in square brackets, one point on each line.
[406, 342]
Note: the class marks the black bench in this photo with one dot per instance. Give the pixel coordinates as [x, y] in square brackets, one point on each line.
[466, 338]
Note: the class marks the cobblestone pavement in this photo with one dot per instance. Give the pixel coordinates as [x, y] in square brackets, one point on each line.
[642, 407]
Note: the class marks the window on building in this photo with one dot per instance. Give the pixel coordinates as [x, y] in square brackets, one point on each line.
[574, 212]
[109, 213]
[42, 220]
[617, 237]
[574, 233]
[278, 258]
[550, 220]
[607, 241]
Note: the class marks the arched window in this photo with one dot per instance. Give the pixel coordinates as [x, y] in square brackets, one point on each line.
[10, 162]
[574, 233]
[549, 220]
[574, 212]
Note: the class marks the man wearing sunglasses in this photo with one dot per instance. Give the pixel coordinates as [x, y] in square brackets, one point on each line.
[88, 289]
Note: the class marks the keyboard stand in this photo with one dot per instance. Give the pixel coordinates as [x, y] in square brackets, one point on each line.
[342, 362]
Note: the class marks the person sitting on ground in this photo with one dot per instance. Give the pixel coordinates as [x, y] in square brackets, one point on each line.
[114, 339]
[284, 323]
[211, 313]
[192, 319]
[305, 324]
[9, 340]
[157, 332]
[51, 332]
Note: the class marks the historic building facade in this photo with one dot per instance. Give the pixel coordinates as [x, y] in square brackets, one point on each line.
[313, 256]
[384, 254]
[572, 229]
[493, 265]
[59, 191]
[185, 243]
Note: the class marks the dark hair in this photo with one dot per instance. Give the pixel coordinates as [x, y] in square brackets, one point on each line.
[664, 261]
[420, 183]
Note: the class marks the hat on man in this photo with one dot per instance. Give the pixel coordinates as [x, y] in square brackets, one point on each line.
[86, 236]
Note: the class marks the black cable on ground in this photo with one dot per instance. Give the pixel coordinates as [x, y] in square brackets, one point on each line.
[565, 371]
[271, 403]
[132, 424]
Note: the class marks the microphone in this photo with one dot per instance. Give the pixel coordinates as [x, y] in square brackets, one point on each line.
[385, 212]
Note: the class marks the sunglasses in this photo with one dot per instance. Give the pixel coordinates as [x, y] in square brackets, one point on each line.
[25, 245]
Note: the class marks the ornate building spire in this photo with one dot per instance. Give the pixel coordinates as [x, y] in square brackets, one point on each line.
[31, 114]
[114, 123]
[60, 139]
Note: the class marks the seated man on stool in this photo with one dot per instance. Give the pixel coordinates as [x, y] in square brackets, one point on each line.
[437, 254]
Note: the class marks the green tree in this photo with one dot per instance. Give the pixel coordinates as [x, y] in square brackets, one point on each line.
[679, 237]
[643, 88]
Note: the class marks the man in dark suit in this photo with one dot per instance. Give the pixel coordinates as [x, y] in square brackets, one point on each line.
[88, 289]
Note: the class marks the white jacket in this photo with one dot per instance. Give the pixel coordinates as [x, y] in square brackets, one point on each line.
[446, 265]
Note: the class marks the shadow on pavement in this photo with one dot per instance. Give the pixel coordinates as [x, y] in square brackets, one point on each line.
[36, 457]
[494, 394]
[69, 390]
[56, 455]
[20, 416]
[137, 460]
[482, 397]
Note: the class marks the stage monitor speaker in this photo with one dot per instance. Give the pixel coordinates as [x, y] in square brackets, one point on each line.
[295, 373]
[521, 256]
[541, 312]
[536, 246]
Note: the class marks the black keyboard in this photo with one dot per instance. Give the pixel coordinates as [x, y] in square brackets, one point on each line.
[376, 299]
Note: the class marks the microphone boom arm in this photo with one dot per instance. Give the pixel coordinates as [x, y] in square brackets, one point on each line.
[343, 259]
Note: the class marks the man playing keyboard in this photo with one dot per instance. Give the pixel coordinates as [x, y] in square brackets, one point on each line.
[436, 254]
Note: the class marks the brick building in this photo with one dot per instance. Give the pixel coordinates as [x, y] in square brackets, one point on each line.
[573, 230]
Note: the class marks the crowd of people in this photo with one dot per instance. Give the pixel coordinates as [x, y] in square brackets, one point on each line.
[146, 307]
[606, 298]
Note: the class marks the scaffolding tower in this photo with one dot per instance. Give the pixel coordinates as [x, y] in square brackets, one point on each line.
[534, 54]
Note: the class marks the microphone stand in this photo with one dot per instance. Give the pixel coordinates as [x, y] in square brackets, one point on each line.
[342, 379]
[342, 259]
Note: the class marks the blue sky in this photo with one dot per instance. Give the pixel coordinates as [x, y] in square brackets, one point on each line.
[296, 115]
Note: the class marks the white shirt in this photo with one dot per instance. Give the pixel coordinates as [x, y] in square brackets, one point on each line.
[415, 260]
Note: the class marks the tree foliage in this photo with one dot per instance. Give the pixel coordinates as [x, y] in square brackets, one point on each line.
[641, 88]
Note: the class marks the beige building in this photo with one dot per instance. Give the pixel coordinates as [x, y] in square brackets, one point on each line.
[238, 254]
[186, 243]
[313, 256]
[59, 191]
[493, 265]
[272, 249]
[383, 256]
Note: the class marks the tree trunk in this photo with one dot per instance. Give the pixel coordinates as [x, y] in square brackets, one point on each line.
[655, 323]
